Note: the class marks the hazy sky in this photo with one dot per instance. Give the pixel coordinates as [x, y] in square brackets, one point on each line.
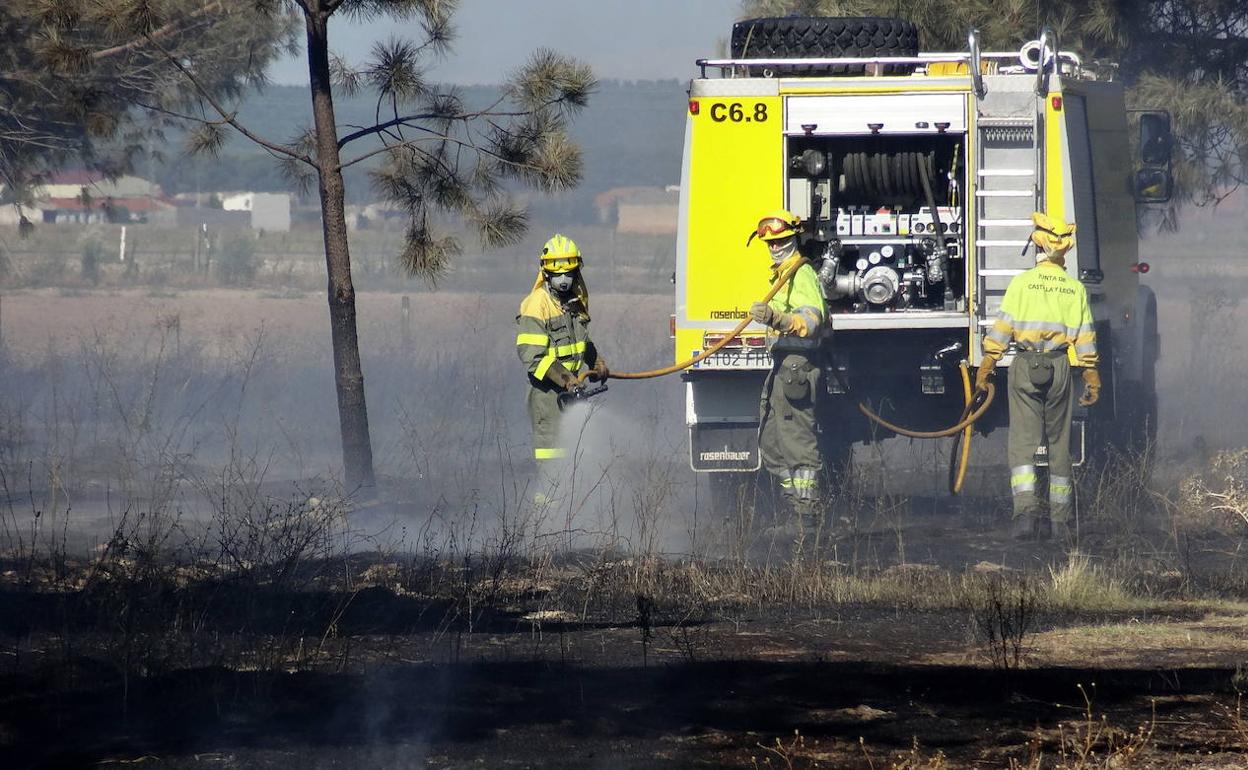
[626, 39]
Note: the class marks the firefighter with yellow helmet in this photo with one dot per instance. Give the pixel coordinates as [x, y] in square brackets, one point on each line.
[1045, 312]
[553, 342]
[787, 433]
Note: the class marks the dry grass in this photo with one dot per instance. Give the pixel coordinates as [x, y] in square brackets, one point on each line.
[1081, 585]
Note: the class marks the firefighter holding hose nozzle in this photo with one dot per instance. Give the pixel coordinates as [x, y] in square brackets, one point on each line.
[1046, 312]
[787, 433]
[552, 340]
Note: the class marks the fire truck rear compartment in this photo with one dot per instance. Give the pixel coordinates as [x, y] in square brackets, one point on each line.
[886, 228]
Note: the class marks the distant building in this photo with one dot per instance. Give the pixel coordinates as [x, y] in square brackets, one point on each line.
[92, 184]
[199, 216]
[269, 211]
[79, 210]
[82, 197]
[642, 210]
[376, 216]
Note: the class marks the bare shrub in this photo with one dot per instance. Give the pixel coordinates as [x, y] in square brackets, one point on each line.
[1092, 743]
[1217, 498]
[1003, 609]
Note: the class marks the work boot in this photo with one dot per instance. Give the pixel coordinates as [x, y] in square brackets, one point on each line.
[1023, 527]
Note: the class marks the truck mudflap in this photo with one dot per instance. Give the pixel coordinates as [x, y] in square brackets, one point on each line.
[724, 446]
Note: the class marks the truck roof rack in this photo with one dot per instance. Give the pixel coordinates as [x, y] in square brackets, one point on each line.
[1071, 62]
[1024, 61]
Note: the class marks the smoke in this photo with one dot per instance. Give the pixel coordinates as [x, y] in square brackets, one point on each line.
[1200, 282]
[626, 483]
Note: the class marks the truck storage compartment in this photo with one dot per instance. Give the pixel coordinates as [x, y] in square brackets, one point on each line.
[887, 228]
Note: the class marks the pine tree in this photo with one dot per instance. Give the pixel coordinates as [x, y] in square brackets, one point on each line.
[441, 157]
[88, 81]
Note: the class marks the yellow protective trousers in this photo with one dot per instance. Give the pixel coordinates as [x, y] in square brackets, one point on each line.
[1041, 400]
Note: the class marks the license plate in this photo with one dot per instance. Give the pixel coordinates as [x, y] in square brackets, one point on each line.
[736, 358]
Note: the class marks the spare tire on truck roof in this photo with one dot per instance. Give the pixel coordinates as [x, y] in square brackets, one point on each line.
[813, 37]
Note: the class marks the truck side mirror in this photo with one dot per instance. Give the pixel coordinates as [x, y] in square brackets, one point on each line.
[1154, 182]
[1153, 185]
[1156, 141]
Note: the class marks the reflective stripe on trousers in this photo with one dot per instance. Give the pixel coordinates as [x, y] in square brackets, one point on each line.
[801, 483]
[1023, 479]
[1060, 490]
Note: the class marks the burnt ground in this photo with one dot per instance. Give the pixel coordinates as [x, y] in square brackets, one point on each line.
[857, 687]
[394, 678]
[567, 716]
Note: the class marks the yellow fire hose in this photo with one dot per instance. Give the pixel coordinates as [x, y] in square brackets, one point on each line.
[975, 408]
[713, 349]
[970, 414]
[963, 440]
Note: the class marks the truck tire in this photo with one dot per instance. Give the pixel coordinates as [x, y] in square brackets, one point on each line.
[797, 37]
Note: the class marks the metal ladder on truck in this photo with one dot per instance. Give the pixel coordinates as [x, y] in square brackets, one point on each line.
[1009, 180]
[1009, 186]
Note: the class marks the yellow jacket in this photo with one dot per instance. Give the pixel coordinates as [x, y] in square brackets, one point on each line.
[1045, 309]
[550, 335]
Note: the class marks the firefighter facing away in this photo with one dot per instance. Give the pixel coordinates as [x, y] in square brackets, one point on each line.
[552, 340]
[787, 433]
[1046, 312]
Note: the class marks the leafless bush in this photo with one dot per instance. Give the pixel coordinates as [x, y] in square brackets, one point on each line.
[1217, 497]
[1003, 609]
[1092, 743]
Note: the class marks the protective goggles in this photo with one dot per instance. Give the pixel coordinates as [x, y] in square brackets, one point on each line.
[560, 264]
[773, 226]
[771, 229]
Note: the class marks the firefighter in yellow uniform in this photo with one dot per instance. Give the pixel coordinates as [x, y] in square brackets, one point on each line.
[788, 434]
[552, 340]
[1046, 312]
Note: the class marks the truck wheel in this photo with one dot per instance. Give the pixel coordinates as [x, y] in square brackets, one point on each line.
[797, 37]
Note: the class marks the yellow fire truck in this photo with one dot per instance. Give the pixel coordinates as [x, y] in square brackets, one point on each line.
[916, 174]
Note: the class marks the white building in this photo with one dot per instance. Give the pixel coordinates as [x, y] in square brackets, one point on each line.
[269, 211]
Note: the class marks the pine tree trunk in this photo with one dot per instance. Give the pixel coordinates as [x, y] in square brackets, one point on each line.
[357, 450]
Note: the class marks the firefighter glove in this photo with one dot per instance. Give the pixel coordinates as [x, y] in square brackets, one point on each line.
[558, 374]
[1091, 387]
[984, 373]
[600, 371]
[769, 316]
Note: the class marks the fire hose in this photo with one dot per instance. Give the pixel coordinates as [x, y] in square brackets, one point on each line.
[976, 404]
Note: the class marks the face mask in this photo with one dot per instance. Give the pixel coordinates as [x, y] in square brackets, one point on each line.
[784, 252]
[562, 282]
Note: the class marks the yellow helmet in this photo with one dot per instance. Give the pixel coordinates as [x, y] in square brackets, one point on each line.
[560, 255]
[776, 225]
[1053, 237]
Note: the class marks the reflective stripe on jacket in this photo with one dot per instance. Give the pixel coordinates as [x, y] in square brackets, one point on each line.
[802, 297]
[1045, 309]
[546, 332]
